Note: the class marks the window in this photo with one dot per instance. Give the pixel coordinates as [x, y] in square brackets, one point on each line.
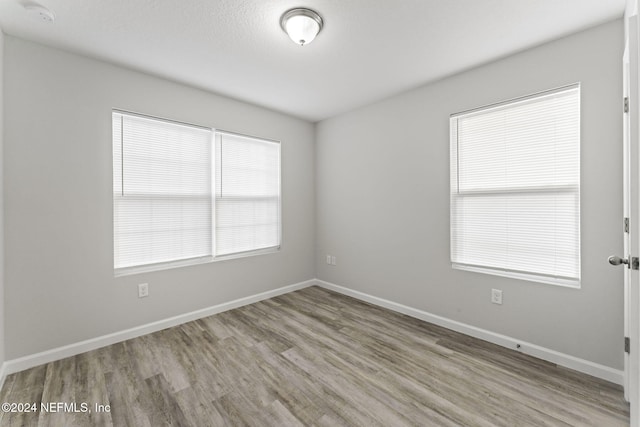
[515, 188]
[184, 194]
[247, 194]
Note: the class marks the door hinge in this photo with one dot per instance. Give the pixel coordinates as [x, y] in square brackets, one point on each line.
[627, 345]
[626, 104]
[626, 225]
[635, 263]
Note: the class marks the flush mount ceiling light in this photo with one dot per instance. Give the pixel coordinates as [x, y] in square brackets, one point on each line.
[301, 25]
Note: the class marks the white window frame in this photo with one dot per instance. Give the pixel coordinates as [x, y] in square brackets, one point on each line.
[143, 268]
[457, 195]
[265, 250]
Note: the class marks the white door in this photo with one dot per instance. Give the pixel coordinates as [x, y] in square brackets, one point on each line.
[631, 197]
[633, 280]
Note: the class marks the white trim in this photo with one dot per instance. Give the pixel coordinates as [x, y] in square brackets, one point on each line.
[600, 371]
[3, 374]
[249, 253]
[604, 372]
[159, 266]
[531, 277]
[30, 361]
[148, 268]
[631, 9]
[517, 100]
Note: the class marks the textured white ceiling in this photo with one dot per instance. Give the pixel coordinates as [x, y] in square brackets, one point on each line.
[368, 49]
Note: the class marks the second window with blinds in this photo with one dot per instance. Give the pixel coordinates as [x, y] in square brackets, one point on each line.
[515, 188]
[184, 194]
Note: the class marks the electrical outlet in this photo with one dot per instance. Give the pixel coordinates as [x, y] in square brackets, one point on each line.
[143, 290]
[328, 259]
[333, 260]
[496, 296]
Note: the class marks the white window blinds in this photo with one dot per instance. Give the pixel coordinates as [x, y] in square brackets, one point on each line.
[247, 194]
[515, 188]
[162, 191]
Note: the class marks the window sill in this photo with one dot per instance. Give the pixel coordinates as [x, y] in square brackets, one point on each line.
[557, 281]
[128, 271]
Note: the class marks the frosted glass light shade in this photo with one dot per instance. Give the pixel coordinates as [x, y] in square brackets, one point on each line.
[301, 25]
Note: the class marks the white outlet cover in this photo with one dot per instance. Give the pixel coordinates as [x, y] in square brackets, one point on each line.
[496, 296]
[143, 290]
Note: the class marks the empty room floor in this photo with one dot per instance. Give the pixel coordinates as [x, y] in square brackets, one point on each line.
[314, 358]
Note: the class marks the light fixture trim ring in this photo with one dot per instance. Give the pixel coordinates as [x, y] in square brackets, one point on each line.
[301, 11]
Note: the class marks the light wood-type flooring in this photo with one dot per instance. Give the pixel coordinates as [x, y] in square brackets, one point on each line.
[313, 358]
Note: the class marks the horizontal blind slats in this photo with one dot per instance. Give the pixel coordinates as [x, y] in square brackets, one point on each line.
[515, 186]
[162, 191]
[247, 194]
[166, 196]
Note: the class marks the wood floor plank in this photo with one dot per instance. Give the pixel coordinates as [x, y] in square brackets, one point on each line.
[294, 388]
[91, 388]
[196, 406]
[312, 358]
[5, 392]
[27, 388]
[129, 397]
[166, 410]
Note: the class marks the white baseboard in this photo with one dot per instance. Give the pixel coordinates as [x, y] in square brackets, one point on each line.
[600, 371]
[26, 362]
[581, 365]
[3, 374]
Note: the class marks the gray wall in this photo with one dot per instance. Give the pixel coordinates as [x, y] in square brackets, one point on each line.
[381, 200]
[58, 201]
[382, 195]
